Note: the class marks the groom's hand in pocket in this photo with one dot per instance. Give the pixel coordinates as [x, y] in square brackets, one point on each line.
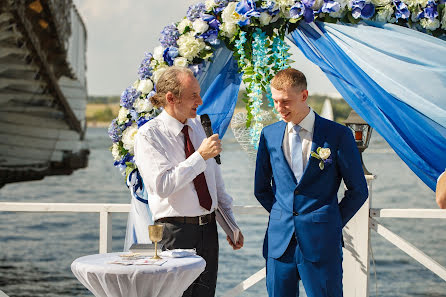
[239, 243]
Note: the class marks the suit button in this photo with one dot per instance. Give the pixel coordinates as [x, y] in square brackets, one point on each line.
[296, 192]
[295, 213]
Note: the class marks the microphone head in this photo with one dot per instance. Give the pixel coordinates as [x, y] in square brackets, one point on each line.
[205, 120]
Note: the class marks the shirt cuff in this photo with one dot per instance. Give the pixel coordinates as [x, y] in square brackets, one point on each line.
[197, 163]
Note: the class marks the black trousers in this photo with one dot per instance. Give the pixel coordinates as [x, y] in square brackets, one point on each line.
[205, 240]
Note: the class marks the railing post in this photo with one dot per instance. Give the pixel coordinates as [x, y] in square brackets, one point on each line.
[105, 232]
[356, 250]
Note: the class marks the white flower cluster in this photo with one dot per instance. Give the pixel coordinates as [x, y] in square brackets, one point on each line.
[189, 47]
[128, 138]
[230, 19]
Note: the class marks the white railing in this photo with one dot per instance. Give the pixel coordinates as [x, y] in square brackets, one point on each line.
[104, 210]
[401, 243]
[356, 264]
[105, 214]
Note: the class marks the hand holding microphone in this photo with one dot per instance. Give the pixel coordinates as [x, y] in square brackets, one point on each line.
[210, 147]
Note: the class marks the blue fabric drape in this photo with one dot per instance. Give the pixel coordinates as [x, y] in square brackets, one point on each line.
[220, 83]
[416, 138]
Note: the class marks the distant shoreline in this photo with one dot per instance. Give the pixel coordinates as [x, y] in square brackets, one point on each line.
[98, 124]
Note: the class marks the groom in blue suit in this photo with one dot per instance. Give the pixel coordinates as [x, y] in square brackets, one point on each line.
[300, 164]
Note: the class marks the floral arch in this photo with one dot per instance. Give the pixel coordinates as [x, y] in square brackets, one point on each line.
[225, 42]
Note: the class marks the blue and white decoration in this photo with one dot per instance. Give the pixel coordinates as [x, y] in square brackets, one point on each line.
[387, 58]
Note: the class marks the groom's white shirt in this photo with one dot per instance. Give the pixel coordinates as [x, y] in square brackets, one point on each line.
[168, 176]
[306, 136]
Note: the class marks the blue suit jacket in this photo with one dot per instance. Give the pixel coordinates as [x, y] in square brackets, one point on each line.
[318, 219]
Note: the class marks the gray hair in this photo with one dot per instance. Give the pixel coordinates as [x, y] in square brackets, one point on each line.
[169, 81]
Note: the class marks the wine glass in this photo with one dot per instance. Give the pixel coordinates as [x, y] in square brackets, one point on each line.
[155, 235]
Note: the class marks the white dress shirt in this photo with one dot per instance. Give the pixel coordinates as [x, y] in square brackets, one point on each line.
[306, 136]
[167, 174]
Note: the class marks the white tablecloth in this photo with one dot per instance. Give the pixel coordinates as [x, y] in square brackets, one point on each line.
[114, 280]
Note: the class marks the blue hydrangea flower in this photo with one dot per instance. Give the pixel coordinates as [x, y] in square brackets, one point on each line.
[430, 11]
[212, 21]
[133, 114]
[361, 9]
[402, 12]
[114, 132]
[308, 12]
[195, 11]
[169, 36]
[246, 8]
[330, 6]
[297, 10]
[142, 120]
[211, 37]
[170, 54]
[129, 96]
[121, 163]
[145, 71]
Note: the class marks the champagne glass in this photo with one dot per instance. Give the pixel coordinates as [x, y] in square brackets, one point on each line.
[155, 235]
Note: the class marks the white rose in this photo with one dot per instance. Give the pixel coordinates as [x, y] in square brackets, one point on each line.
[265, 18]
[115, 152]
[324, 153]
[229, 15]
[142, 105]
[381, 2]
[157, 73]
[183, 25]
[430, 24]
[385, 14]
[200, 26]
[122, 115]
[210, 4]
[189, 46]
[158, 53]
[284, 4]
[145, 86]
[229, 29]
[413, 3]
[128, 137]
[180, 62]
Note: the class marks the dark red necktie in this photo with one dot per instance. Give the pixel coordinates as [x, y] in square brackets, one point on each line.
[200, 181]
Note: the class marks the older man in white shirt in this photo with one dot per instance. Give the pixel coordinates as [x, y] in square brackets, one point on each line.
[184, 185]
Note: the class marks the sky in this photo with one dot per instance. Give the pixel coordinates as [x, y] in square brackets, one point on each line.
[119, 32]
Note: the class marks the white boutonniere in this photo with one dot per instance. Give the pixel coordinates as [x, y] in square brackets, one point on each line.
[322, 154]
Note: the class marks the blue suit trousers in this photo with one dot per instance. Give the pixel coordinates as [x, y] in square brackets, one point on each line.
[320, 279]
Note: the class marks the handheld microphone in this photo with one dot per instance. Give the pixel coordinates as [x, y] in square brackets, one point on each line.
[207, 126]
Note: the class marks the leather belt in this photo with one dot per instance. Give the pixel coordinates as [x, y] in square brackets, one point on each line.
[200, 220]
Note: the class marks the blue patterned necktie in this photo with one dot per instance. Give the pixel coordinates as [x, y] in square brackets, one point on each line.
[296, 153]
